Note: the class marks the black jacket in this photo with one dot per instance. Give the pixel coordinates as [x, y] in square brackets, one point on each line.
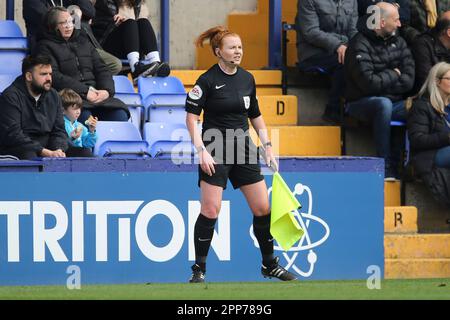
[418, 21]
[103, 23]
[428, 50]
[427, 133]
[24, 120]
[76, 64]
[369, 65]
[34, 11]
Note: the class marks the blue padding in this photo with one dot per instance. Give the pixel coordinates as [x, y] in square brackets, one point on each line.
[20, 166]
[286, 164]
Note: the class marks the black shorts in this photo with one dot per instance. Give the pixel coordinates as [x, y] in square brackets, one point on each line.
[239, 172]
[239, 175]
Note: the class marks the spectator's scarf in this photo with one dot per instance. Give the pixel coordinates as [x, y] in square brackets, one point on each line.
[430, 7]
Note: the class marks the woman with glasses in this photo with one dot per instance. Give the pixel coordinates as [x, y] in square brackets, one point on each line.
[77, 65]
[429, 132]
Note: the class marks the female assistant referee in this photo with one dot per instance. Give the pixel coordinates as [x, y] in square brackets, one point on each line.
[227, 95]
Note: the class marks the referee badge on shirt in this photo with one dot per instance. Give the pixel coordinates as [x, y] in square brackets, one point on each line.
[196, 93]
[247, 102]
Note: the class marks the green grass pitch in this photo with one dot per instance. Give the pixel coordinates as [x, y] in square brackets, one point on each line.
[433, 289]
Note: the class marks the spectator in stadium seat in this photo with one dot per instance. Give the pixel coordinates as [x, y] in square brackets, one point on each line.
[226, 94]
[32, 123]
[424, 14]
[124, 29]
[404, 10]
[324, 30]
[430, 48]
[379, 71]
[429, 132]
[81, 135]
[34, 12]
[77, 65]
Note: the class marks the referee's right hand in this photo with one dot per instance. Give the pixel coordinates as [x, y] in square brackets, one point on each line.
[207, 163]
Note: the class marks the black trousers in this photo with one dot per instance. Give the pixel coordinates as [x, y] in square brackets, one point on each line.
[24, 153]
[131, 36]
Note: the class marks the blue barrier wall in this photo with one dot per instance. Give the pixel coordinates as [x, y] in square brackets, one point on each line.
[128, 221]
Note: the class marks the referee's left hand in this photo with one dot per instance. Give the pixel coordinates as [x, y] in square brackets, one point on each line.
[207, 163]
[270, 158]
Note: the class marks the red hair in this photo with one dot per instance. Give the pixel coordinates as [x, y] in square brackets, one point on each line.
[215, 36]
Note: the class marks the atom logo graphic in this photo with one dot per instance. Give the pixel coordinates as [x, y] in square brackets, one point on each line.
[305, 244]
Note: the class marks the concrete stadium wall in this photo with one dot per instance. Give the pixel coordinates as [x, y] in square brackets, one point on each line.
[188, 18]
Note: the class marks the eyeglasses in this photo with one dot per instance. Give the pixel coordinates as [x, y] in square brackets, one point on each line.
[66, 24]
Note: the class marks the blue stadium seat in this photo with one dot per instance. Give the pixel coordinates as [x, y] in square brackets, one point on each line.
[168, 91]
[123, 84]
[11, 37]
[167, 107]
[10, 28]
[168, 140]
[11, 61]
[125, 92]
[6, 80]
[117, 139]
[153, 85]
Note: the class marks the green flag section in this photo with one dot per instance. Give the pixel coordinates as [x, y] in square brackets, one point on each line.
[283, 225]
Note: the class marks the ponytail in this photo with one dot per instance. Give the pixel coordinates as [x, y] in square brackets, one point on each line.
[215, 36]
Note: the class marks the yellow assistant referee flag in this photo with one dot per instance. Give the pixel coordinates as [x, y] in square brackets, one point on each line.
[283, 225]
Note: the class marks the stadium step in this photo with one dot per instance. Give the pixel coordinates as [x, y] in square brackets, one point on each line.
[291, 141]
[268, 82]
[434, 217]
[279, 110]
[416, 268]
[392, 194]
[414, 256]
[417, 246]
[400, 219]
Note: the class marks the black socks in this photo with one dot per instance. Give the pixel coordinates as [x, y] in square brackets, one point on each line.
[261, 229]
[203, 233]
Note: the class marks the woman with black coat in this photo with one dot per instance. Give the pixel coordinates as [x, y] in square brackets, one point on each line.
[77, 65]
[429, 132]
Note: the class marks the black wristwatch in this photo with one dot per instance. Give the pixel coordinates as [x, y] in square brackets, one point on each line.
[268, 144]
